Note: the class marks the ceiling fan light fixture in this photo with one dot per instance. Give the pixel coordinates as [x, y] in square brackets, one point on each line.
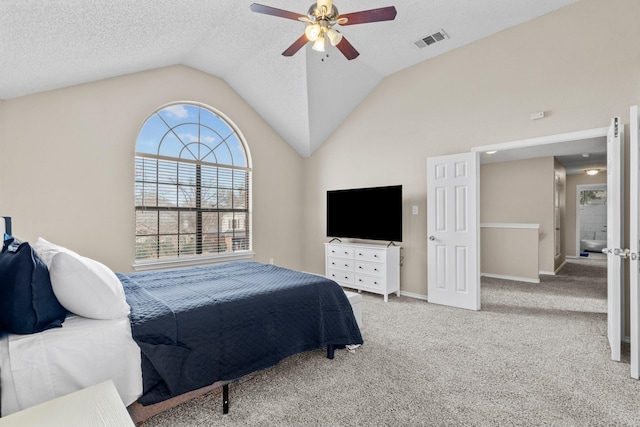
[334, 36]
[318, 45]
[312, 32]
[321, 16]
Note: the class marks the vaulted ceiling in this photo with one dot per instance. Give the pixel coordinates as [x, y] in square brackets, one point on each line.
[47, 45]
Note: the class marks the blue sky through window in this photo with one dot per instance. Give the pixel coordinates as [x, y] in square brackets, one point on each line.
[191, 132]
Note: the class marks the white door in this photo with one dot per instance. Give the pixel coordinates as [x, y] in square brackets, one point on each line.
[453, 256]
[634, 245]
[614, 251]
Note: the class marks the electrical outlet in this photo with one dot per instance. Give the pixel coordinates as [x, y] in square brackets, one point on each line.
[414, 209]
[271, 261]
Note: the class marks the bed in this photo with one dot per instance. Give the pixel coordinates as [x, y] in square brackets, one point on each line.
[187, 328]
[220, 322]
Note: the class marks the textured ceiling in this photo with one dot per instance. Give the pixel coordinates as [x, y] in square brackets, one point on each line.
[56, 43]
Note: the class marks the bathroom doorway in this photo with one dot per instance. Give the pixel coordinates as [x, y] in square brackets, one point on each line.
[591, 220]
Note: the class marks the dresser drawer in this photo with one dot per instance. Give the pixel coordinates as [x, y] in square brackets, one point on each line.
[371, 282]
[341, 276]
[370, 268]
[341, 252]
[340, 263]
[376, 255]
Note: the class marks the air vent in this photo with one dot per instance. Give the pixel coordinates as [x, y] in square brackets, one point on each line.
[431, 39]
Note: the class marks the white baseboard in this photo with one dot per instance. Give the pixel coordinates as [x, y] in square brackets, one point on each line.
[516, 278]
[414, 295]
[553, 273]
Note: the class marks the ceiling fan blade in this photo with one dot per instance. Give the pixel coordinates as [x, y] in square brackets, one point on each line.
[291, 50]
[373, 15]
[268, 10]
[347, 49]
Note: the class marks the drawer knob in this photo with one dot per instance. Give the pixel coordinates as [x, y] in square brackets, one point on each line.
[375, 255]
[375, 269]
[346, 277]
[346, 253]
[360, 267]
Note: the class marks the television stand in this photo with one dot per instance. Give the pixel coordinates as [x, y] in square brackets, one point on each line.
[365, 267]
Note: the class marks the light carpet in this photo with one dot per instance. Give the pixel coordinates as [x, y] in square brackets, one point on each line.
[536, 354]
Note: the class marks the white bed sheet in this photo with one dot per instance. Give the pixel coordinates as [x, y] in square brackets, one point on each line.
[83, 352]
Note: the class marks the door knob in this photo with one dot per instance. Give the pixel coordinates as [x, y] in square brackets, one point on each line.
[622, 253]
[432, 238]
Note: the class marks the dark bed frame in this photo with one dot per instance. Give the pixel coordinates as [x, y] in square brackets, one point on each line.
[225, 387]
[140, 413]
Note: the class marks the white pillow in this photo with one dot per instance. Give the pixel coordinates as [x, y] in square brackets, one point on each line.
[46, 250]
[87, 287]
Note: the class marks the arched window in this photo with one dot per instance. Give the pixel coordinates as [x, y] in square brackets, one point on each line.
[191, 185]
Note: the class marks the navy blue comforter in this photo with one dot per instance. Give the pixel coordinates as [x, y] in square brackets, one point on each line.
[203, 324]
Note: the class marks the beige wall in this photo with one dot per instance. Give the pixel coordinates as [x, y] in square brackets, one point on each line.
[532, 180]
[510, 253]
[573, 181]
[66, 164]
[478, 95]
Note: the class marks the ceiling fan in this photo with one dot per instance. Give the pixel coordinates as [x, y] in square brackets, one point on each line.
[321, 17]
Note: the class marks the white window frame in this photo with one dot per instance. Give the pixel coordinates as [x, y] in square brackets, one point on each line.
[206, 258]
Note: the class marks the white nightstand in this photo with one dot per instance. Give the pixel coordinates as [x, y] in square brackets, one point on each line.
[96, 406]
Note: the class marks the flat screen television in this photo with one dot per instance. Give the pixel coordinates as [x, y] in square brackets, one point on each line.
[365, 213]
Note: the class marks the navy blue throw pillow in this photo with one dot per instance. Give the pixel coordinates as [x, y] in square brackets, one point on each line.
[8, 239]
[27, 302]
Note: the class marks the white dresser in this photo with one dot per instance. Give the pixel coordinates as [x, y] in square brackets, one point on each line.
[371, 268]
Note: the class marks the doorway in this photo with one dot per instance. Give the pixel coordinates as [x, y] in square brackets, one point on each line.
[456, 263]
[538, 163]
[591, 220]
[615, 220]
[614, 137]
